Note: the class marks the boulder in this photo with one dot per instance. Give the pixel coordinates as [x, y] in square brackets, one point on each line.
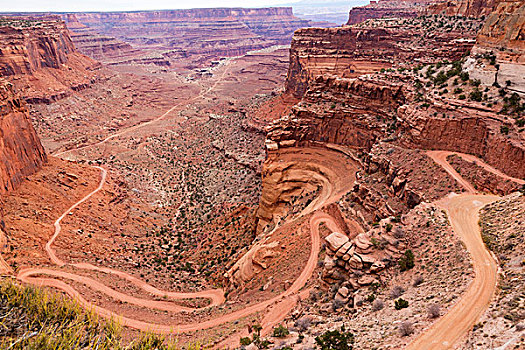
[336, 240]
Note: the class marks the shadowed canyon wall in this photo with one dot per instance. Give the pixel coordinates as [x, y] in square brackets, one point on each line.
[21, 153]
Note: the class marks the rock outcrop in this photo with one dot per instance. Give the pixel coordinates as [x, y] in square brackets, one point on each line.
[499, 53]
[21, 153]
[361, 259]
[39, 58]
[353, 51]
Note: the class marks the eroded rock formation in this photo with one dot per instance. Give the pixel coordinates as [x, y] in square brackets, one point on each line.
[39, 58]
[353, 51]
[499, 53]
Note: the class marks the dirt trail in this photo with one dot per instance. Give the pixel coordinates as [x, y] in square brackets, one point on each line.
[287, 298]
[278, 306]
[463, 211]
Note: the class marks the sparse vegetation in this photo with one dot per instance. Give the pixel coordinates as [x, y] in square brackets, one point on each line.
[37, 319]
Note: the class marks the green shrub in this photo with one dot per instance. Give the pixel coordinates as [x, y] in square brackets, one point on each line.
[400, 304]
[476, 95]
[245, 341]
[464, 76]
[335, 340]
[406, 262]
[280, 331]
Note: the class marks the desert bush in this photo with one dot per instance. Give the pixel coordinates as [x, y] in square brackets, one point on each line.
[303, 323]
[399, 232]
[418, 280]
[396, 292]
[406, 328]
[335, 340]
[476, 95]
[434, 311]
[280, 331]
[245, 341]
[400, 304]
[378, 305]
[407, 260]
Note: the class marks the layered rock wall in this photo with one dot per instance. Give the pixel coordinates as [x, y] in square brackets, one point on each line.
[39, 58]
[502, 36]
[387, 9]
[348, 112]
[21, 152]
[28, 47]
[228, 31]
[466, 8]
[353, 51]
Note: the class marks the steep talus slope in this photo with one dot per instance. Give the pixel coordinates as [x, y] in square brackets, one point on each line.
[21, 153]
[39, 58]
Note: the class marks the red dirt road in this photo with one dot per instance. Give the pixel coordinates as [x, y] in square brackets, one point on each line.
[463, 211]
[282, 303]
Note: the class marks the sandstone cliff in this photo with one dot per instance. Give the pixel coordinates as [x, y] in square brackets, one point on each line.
[39, 58]
[21, 153]
[368, 47]
[499, 53]
[414, 8]
[467, 8]
[107, 49]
